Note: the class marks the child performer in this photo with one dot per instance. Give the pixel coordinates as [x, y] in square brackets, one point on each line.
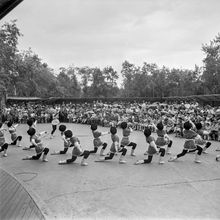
[3, 145]
[39, 148]
[12, 130]
[55, 122]
[163, 139]
[114, 147]
[126, 131]
[32, 123]
[199, 139]
[189, 144]
[152, 148]
[65, 136]
[97, 141]
[77, 151]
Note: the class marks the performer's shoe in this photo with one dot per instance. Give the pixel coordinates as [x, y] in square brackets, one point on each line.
[138, 162]
[197, 159]
[172, 159]
[161, 161]
[84, 164]
[100, 160]
[55, 153]
[26, 158]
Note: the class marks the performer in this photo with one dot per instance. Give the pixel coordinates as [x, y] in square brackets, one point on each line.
[163, 139]
[152, 148]
[32, 123]
[199, 139]
[39, 146]
[3, 144]
[114, 147]
[189, 144]
[55, 122]
[65, 134]
[77, 150]
[126, 131]
[14, 137]
[97, 141]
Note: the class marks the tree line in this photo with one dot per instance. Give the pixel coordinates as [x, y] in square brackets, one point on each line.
[25, 74]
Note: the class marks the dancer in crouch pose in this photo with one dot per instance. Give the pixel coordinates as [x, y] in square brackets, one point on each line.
[189, 144]
[199, 139]
[66, 140]
[114, 147]
[3, 144]
[14, 137]
[163, 138]
[32, 123]
[126, 131]
[39, 146]
[152, 148]
[77, 150]
[97, 141]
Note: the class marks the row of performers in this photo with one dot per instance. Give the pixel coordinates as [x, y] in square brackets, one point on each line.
[162, 144]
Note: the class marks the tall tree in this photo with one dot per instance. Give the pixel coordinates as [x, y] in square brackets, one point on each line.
[128, 71]
[211, 74]
[34, 77]
[111, 77]
[98, 85]
[9, 34]
[85, 73]
[68, 82]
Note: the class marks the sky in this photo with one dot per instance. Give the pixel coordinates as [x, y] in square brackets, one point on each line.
[100, 33]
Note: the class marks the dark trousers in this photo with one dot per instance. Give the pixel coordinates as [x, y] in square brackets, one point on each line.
[96, 148]
[19, 138]
[198, 148]
[64, 150]
[36, 157]
[4, 147]
[54, 128]
[85, 155]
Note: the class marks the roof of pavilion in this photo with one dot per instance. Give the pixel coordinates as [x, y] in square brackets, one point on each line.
[7, 5]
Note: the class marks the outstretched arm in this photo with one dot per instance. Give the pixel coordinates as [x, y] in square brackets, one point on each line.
[154, 126]
[131, 130]
[166, 136]
[35, 124]
[105, 133]
[33, 142]
[43, 134]
[16, 125]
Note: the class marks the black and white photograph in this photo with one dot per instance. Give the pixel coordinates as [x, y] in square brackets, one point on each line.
[109, 109]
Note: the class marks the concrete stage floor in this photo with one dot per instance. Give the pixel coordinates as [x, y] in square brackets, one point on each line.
[109, 190]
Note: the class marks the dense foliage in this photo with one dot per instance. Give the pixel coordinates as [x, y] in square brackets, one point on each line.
[24, 74]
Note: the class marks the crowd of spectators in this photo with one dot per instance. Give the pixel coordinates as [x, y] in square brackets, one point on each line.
[139, 114]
